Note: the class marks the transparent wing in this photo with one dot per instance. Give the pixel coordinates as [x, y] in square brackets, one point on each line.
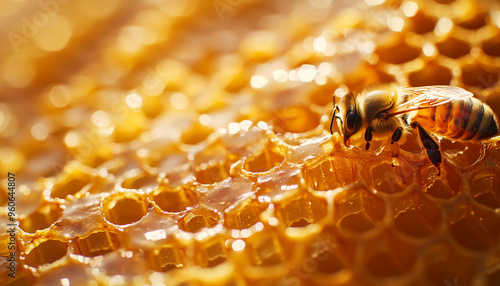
[428, 96]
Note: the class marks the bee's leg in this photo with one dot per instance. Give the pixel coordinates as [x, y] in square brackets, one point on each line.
[368, 137]
[430, 145]
[395, 138]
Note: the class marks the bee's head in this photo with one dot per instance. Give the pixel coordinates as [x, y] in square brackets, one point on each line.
[349, 116]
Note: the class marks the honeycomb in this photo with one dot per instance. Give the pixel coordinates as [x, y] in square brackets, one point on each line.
[177, 142]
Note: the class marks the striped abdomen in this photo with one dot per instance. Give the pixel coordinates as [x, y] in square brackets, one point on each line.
[468, 119]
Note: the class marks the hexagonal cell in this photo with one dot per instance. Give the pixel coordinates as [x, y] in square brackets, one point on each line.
[167, 257]
[485, 188]
[196, 134]
[211, 253]
[141, 182]
[398, 52]
[198, 219]
[331, 173]
[492, 46]
[431, 74]
[174, 199]
[474, 227]
[446, 186]
[327, 254]
[71, 185]
[244, 216]
[124, 208]
[295, 119]
[480, 75]
[475, 21]
[386, 255]
[301, 211]
[42, 218]
[358, 210]
[387, 179]
[97, 243]
[212, 172]
[46, 252]
[264, 249]
[445, 263]
[416, 216]
[269, 158]
[422, 23]
[453, 47]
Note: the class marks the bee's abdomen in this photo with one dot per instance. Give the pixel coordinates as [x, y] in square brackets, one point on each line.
[468, 119]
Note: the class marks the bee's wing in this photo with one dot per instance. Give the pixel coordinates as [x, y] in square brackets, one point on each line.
[429, 96]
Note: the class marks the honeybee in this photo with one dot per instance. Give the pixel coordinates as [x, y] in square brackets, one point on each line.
[391, 109]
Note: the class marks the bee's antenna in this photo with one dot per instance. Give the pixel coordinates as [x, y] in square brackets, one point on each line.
[333, 115]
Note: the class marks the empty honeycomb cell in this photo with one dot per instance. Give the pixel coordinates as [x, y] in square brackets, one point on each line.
[141, 182]
[42, 218]
[463, 154]
[269, 158]
[123, 209]
[70, 185]
[327, 254]
[453, 47]
[265, 250]
[211, 254]
[331, 173]
[431, 74]
[476, 21]
[445, 265]
[385, 178]
[416, 215]
[167, 257]
[243, 217]
[422, 23]
[301, 211]
[46, 252]
[479, 75]
[174, 199]
[387, 255]
[97, 243]
[485, 188]
[492, 46]
[446, 186]
[198, 219]
[196, 134]
[398, 52]
[295, 119]
[212, 172]
[358, 210]
[474, 227]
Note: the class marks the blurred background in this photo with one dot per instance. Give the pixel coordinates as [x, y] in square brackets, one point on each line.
[100, 99]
